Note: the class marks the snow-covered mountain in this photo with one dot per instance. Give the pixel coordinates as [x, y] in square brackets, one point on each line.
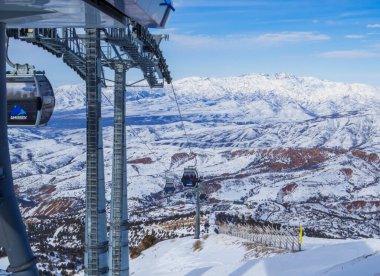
[293, 150]
[249, 98]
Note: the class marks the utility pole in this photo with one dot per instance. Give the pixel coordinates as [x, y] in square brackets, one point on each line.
[13, 236]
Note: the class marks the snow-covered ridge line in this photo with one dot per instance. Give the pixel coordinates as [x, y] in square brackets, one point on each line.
[280, 84]
[250, 98]
[298, 88]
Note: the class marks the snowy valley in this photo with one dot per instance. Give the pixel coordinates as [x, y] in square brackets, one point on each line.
[277, 148]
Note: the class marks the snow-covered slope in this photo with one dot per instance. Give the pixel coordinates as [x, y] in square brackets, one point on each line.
[224, 255]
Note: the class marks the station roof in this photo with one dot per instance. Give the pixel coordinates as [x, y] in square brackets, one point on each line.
[82, 13]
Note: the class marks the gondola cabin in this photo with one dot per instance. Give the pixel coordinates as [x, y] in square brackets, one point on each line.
[30, 100]
[169, 186]
[190, 177]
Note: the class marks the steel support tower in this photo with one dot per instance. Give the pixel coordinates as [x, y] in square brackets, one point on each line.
[13, 237]
[96, 245]
[119, 256]
[197, 213]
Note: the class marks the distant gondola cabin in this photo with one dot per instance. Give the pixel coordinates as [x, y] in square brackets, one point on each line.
[169, 186]
[30, 100]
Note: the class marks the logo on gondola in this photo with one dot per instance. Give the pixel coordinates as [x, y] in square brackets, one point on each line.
[18, 113]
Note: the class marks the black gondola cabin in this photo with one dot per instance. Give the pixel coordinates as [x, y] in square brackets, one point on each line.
[190, 177]
[30, 99]
[169, 186]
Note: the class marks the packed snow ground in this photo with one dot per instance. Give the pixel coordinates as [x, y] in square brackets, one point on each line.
[225, 255]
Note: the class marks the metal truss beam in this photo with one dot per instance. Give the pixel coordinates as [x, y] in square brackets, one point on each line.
[133, 46]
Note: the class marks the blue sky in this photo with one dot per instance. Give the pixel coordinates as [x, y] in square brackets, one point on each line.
[330, 39]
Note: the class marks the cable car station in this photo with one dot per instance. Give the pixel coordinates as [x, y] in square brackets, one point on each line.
[28, 100]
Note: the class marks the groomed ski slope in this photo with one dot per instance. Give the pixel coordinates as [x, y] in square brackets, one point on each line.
[224, 255]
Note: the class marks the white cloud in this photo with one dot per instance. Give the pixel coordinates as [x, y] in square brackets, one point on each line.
[239, 41]
[353, 36]
[195, 41]
[291, 37]
[218, 3]
[373, 26]
[376, 46]
[354, 13]
[349, 54]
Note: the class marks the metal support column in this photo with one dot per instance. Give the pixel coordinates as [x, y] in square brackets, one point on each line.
[96, 245]
[197, 215]
[119, 256]
[13, 236]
